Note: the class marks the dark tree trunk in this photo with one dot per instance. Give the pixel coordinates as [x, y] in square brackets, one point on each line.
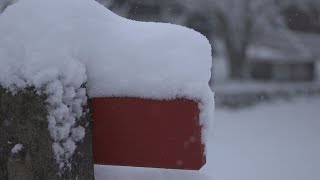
[237, 38]
[237, 58]
[237, 66]
[23, 121]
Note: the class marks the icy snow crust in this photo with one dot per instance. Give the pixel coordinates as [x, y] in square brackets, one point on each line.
[58, 45]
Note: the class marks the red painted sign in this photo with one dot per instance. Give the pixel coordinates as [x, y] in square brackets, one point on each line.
[147, 133]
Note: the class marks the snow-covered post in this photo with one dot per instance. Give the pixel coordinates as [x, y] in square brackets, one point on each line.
[57, 52]
[26, 147]
[45, 128]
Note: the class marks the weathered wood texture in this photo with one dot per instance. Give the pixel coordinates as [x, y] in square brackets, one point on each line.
[23, 120]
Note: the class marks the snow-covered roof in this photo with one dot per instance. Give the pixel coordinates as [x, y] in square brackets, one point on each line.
[280, 46]
[311, 41]
[58, 45]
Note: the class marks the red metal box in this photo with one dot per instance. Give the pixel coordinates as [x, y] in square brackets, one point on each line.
[147, 133]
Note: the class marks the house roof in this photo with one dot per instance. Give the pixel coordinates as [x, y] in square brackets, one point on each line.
[285, 46]
[311, 41]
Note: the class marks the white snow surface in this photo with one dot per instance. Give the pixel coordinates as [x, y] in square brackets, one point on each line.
[278, 141]
[58, 45]
[129, 173]
[17, 148]
[122, 57]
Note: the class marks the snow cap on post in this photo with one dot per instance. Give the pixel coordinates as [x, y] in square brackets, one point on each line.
[56, 46]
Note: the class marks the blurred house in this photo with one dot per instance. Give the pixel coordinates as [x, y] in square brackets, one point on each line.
[286, 56]
[276, 56]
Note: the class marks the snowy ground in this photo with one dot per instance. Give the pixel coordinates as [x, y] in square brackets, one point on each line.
[135, 173]
[238, 87]
[271, 141]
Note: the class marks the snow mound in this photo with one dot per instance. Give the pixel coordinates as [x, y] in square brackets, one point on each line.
[57, 46]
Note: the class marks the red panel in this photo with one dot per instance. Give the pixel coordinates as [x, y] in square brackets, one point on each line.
[147, 133]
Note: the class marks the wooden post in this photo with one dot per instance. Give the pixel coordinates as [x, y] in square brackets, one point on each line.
[23, 120]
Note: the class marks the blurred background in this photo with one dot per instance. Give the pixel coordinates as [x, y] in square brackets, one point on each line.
[262, 49]
[266, 77]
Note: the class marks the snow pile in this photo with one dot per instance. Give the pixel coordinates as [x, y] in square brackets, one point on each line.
[17, 148]
[278, 141]
[57, 46]
[127, 173]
